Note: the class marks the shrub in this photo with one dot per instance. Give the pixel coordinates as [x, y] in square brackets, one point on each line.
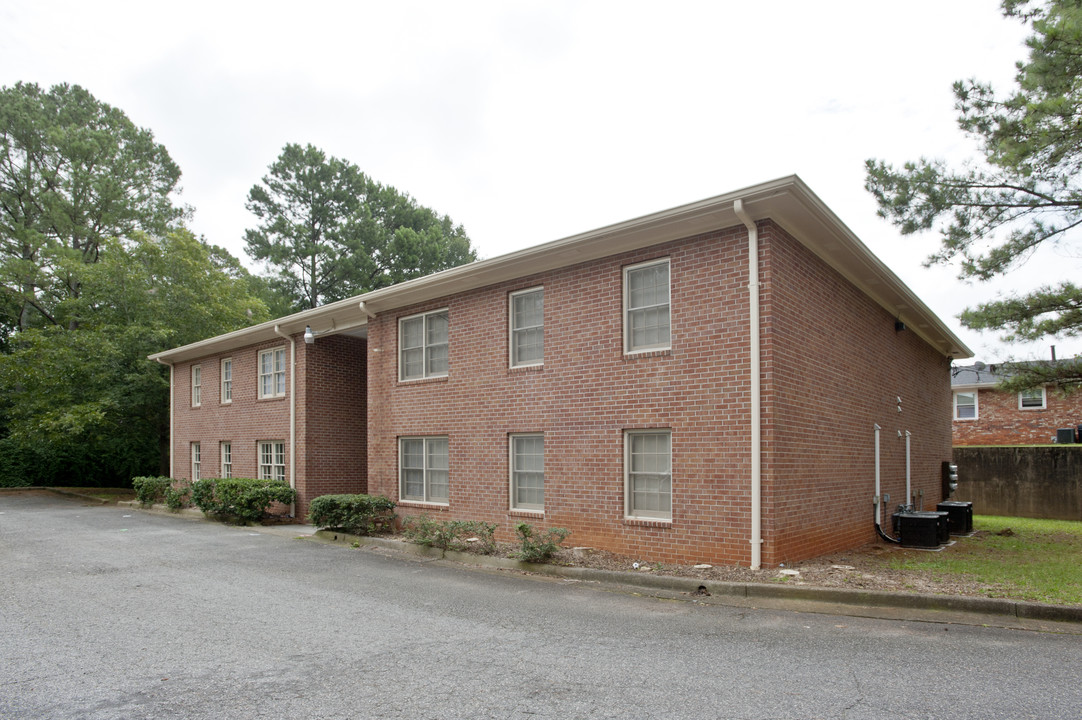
[543, 547]
[360, 514]
[472, 535]
[149, 490]
[242, 499]
[177, 497]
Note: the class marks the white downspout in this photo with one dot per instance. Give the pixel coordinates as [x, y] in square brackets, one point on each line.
[908, 474]
[878, 508]
[171, 453]
[756, 401]
[292, 415]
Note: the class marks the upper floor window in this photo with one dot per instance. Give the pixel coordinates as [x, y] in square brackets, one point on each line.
[528, 472]
[272, 373]
[1032, 399]
[648, 465]
[527, 327]
[422, 345]
[227, 380]
[197, 385]
[646, 307]
[965, 405]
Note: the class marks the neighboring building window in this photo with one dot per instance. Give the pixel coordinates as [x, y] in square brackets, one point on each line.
[965, 405]
[1032, 399]
[227, 459]
[527, 327]
[197, 385]
[424, 473]
[646, 307]
[272, 460]
[648, 461]
[197, 458]
[227, 380]
[422, 343]
[272, 373]
[528, 472]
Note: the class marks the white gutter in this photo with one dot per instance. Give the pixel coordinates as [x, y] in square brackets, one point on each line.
[756, 400]
[908, 474]
[878, 509]
[292, 415]
[171, 453]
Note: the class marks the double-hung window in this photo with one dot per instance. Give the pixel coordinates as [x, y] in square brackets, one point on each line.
[422, 345]
[272, 373]
[272, 460]
[197, 458]
[648, 465]
[527, 327]
[528, 472]
[646, 307]
[227, 380]
[227, 459]
[965, 405]
[1032, 399]
[197, 385]
[424, 469]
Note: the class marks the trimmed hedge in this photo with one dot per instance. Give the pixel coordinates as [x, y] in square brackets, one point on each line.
[359, 514]
[243, 499]
[149, 490]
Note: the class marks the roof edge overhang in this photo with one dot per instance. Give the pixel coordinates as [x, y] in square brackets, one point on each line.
[787, 201]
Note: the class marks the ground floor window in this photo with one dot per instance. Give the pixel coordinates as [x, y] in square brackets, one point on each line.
[272, 460]
[648, 469]
[197, 458]
[528, 472]
[227, 460]
[424, 469]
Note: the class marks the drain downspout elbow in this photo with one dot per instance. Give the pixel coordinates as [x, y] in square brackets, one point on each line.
[755, 390]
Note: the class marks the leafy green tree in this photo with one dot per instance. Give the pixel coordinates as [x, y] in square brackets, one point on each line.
[330, 231]
[1027, 193]
[84, 406]
[74, 171]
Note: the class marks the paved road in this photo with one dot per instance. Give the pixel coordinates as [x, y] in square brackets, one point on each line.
[111, 613]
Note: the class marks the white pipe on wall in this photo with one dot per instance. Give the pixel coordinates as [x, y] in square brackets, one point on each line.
[292, 415]
[878, 505]
[756, 402]
[908, 474]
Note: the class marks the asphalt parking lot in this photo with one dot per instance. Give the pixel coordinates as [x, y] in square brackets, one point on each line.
[107, 612]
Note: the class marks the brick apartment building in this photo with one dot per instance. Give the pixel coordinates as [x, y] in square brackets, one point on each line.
[643, 385]
[985, 415]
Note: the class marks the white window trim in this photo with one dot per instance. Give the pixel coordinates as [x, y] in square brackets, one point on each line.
[259, 373]
[197, 385]
[626, 297]
[225, 392]
[511, 328]
[197, 460]
[628, 513]
[272, 475]
[539, 509]
[976, 404]
[425, 374]
[401, 479]
[225, 452]
[1042, 406]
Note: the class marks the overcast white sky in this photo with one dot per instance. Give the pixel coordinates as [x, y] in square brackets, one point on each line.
[531, 121]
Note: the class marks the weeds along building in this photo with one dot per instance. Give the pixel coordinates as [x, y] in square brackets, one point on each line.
[643, 385]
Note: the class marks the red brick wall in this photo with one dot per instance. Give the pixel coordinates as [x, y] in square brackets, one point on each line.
[999, 421]
[588, 393]
[838, 368]
[331, 410]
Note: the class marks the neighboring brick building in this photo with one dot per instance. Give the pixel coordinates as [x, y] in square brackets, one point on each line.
[610, 383]
[986, 415]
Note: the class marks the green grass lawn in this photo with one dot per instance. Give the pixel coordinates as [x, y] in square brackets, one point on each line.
[1026, 559]
[110, 495]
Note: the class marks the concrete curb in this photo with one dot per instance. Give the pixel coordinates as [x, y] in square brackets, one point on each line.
[778, 595]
